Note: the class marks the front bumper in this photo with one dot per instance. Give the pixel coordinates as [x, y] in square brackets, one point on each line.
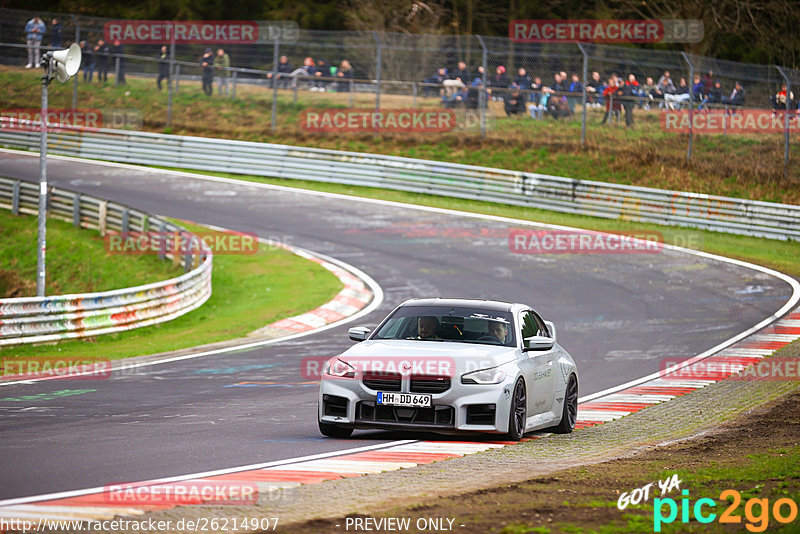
[462, 408]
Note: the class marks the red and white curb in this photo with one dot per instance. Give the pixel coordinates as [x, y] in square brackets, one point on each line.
[99, 503]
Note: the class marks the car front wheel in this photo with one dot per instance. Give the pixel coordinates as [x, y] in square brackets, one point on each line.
[518, 412]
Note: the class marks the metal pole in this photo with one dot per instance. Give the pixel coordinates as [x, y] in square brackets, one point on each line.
[75, 81]
[169, 82]
[786, 123]
[274, 83]
[691, 106]
[116, 71]
[378, 60]
[585, 76]
[41, 240]
[482, 93]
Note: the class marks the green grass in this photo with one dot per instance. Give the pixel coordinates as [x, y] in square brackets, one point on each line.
[780, 255]
[76, 260]
[249, 292]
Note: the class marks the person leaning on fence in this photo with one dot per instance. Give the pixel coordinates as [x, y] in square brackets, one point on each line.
[305, 72]
[650, 92]
[283, 70]
[612, 94]
[34, 31]
[163, 66]
[474, 92]
[498, 84]
[458, 80]
[514, 103]
[207, 63]
[432, 85]
[345, 74]
[323, 71]
[87, 61]
[456, 100]
[101, 60]
[594, 90]
[714, 96]
[698, 91]
[778, 100]
[222, 62]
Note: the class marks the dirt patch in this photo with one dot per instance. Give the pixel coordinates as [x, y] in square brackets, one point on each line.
[12, 286]
[747, 455]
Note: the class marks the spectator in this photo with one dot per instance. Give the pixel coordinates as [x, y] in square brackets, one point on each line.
[118, 50]
[433, 84]
[575, 88]
[714, 96]
[539, 106]
[708, 81]
[87, 60]
[56, 33]
[649, 91]
[221, 64]
[523, 79]
[536, 88]
[594, 90]
[698, 89]
[323, 71]
[346, 73]
[101, 60]
[665, 84]
[560, 84]
[514, 104]
[307, 71]
[283, 70]
[630, 90]
[679, 97]
[476, 89]
[498, 83]
[458, 79]
[737, 96]
[779, 100]
[207, 63]
[34, 31]
[163, 66]
[612, 94]
[456, 100]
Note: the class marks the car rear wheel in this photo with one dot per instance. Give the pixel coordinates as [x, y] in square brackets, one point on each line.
[569, 414]
[518, 412]
[334, 431]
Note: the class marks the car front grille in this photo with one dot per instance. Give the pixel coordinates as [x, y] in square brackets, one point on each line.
[382, 381]
[430, 384]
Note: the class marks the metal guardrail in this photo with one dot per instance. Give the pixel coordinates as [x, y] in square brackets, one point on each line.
[568, 195]
[41, 319]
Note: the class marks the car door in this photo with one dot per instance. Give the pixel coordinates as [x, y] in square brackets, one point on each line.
[540, 364]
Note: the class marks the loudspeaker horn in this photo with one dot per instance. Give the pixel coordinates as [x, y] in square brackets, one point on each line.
[67, 62]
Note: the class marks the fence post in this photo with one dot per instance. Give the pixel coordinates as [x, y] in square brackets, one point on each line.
[378, 60]
[350, 92]
[296, 83]
[125, 223]
[75, 78]
[15, 198]
[786, 123]
[235, 79]
[116, 71]
[482, 94]
[585, 76]
[691, 106]
[76, 210]
[162, 240]
[177, 77]
[169, 82]
[274, 83]
[414, 93]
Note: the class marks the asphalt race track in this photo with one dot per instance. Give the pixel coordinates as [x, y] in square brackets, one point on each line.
[618, 315]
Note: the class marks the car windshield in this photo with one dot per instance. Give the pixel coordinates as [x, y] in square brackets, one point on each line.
[452, 324]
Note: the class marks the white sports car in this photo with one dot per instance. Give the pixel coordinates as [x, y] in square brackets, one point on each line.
[450, 366]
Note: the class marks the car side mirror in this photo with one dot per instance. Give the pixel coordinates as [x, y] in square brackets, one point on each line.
[358, 333]
[552, 328]
[537, 343]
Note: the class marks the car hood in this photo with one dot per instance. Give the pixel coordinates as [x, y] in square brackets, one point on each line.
[426, 357]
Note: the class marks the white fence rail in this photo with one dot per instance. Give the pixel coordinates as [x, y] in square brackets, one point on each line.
[51, 318]
[738, 216]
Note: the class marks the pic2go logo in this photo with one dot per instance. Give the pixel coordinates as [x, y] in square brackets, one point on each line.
[756, 511]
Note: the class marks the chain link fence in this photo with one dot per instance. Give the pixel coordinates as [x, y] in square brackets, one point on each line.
[490, 77]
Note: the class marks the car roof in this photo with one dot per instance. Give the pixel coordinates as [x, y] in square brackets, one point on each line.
[495, 305]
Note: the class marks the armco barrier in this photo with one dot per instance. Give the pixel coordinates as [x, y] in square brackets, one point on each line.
[749, 217]
[40, 319]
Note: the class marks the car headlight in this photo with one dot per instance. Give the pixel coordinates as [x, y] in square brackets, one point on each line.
[495, 375]
[339, 369]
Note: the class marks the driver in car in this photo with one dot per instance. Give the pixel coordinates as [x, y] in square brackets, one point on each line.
[427, 327]
[499, 330]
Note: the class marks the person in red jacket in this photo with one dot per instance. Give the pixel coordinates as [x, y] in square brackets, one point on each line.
[612, 94]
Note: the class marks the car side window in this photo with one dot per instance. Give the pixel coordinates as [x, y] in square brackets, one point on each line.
[529, 326]
[543, 330]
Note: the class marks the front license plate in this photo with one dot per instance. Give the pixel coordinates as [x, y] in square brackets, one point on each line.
[409, 400]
